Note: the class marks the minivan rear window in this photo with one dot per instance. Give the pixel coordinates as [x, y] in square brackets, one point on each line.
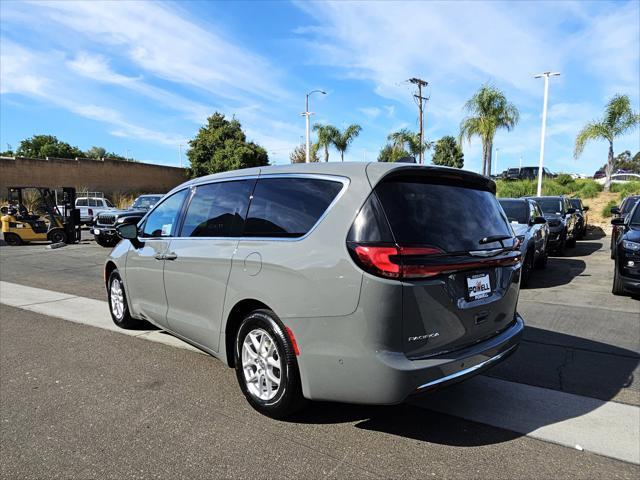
[288, 207]
[453, 218]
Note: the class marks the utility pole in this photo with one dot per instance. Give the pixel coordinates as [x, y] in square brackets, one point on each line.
[419, 101]
[308, 114]
[546, 76]
[180, 153]
[496, 170]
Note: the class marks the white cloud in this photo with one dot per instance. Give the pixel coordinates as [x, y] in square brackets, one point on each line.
[371, 112]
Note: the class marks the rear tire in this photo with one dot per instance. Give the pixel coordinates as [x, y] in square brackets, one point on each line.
[57, 236]
[266, 366]
[118, 306]
[617, 289]
[12, 239]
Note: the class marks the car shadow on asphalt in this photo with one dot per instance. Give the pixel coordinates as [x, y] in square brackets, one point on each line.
[559, 271]
[546, 359]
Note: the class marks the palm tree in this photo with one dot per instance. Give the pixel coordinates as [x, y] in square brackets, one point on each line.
[326, 134]
[406, 140]
[342, 140]
[618, 119]
[488, 111]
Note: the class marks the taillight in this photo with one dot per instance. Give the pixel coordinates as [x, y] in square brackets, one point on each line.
[90, 212]
[419, 262]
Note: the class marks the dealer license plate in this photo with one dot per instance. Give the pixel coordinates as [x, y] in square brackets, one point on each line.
[478, 286]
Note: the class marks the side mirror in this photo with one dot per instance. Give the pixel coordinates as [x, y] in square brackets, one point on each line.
[618, 222]
[585, 209]
[571, 211]
[129, 231]
[615, 210]
[539, 221]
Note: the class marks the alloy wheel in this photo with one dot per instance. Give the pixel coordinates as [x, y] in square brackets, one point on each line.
[261, 364]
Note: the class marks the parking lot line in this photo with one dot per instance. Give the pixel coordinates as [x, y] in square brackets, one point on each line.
[606, 428]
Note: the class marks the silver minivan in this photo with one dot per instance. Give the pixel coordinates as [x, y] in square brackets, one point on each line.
[352, 282]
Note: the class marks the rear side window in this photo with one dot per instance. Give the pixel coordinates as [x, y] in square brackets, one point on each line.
[516, 210]
[288, 207]
[452, 218]
[218, 209]
[82, 202]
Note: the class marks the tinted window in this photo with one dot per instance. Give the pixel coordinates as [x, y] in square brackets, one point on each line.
[218, 209]
[146, 202]
[93, 202]
[450, 217]
[576, 203]
[82, 202]
[550, 205]
[162, 222]
[516, 210]
[288, 207]
[636, 216]
[628, 204]
[109, 204]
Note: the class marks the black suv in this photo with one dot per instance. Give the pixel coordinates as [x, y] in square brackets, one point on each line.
[105, 223]
[621, 212]
[626, 277]
[562, 220]
[526, 173]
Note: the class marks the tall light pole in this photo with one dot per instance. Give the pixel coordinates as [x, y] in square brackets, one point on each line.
[308, 114]
[180, 153]
[496, 170]
[546, 76]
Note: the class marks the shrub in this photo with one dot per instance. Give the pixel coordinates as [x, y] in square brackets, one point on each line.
[564, 179]
[626, 189]
[606, 210]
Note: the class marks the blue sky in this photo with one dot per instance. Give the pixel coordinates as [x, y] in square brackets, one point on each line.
[142, 77]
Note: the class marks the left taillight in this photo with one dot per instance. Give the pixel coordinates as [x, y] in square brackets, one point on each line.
[393, 261]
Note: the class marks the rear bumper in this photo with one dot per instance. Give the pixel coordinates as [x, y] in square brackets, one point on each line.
[387, 378]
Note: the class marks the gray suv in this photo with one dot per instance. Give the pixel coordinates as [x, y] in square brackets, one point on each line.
[351, 282]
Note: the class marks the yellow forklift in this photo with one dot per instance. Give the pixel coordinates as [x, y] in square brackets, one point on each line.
[41, 219]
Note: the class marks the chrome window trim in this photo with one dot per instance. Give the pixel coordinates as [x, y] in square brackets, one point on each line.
[335, 178]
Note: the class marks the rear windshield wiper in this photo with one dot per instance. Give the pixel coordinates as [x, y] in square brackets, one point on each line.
[495, 238]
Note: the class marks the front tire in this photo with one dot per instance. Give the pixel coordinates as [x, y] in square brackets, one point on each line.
[617, 289]
[266, 366]
[57, 236]
[118, 306]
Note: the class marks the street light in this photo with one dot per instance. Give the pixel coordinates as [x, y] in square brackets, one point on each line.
[307, 114]
[546, 76]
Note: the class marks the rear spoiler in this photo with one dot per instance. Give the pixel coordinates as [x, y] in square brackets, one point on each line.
[432, 174]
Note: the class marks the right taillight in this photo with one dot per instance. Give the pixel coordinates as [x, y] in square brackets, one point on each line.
[399, 263]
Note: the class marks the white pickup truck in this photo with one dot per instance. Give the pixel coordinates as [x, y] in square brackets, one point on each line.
[89, 207]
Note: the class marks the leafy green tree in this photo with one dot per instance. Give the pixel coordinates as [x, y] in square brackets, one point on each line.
[298, 155]
[221, 145]
[447, 152]
[8, 152]
[96, 152]
[488, 110]
[624, 161]
[342, 140]
[41, 146]
[326, 135]
[390, 153]
[618, 120]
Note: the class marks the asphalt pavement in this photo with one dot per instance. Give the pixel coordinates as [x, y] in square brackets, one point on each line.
[84, 402]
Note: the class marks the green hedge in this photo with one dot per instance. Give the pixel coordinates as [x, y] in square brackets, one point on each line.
[626, 189]
[562, 185]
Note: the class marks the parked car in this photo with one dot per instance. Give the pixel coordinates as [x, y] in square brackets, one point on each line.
[583, 217]
[90, 207]
[620, 178]
[626, 276]
[622, 211]
[527, 173]
[531, 228]
[105, 223]
[562, 220]
[347, 282]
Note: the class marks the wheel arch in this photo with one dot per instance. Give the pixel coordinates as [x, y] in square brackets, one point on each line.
[239, 311]
[109, 267]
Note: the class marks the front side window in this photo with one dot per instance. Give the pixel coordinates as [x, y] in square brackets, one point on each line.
[288, 207]
[93, 202]
[108, 203]
[218, 209]
[162, 222]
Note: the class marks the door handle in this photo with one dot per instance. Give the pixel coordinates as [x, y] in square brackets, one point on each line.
[159, 256]
[170, 256]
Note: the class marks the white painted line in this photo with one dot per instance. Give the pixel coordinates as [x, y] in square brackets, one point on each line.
[85, 311]
[606, 428]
